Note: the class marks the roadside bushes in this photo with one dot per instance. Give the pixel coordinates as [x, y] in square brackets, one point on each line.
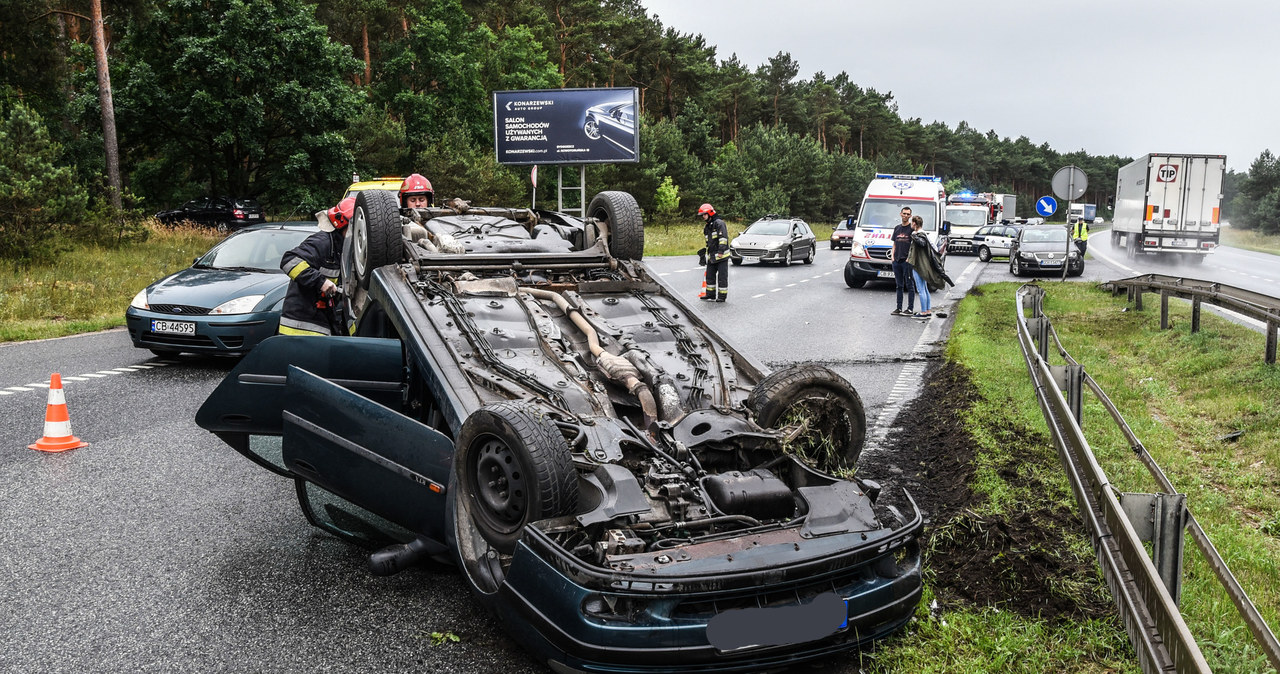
[38, 195]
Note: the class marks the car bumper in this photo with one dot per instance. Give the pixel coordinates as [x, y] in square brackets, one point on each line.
[1050, 265]
[960, 246]
[232, 334]
[842, 242]
[544, 607]
[864, 269]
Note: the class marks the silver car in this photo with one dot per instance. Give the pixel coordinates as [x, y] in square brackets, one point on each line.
[994, 241]
[775, 238]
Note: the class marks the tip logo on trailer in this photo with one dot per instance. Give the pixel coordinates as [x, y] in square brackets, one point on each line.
[1168, 173]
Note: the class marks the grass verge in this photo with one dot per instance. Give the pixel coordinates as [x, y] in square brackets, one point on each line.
[1180, 393]
[89, 287]
[1249, 239]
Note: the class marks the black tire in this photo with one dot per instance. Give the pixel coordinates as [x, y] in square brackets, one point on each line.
[513, 468]
[984, 253]
[623, 221]
[736, 261]
[1014, 267]
[375, 233]
[1076, 272]
[813, 250]
[838, 422]
[851, 279]
[786, 259]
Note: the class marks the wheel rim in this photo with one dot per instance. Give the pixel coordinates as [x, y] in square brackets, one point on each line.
[501, 488]
[788, 260]
[592, 129]
[359, 240]
[984, 254]
[828, 423]
[222, 227]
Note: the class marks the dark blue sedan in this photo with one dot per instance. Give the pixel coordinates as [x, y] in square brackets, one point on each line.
[226, 302]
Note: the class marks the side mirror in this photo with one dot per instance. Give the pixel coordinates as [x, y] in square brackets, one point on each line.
[946, 226]
[195, 260]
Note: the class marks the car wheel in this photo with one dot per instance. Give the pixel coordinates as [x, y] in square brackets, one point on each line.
[825, 403]
[1014, 267]
[736, 261]
[623, 224]
[786, 259]
[513, 468]
[223, 228]
[375, 233]
[1075, 272]
[813, 250]
[984, 253]
[851, 279]
[592, 129]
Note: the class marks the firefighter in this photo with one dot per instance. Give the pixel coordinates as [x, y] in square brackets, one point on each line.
[1080, 232]
[416, 192]
[717, 235]
[311, 305]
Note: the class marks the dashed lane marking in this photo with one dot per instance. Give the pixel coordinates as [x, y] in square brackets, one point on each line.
[775, 290]
[6, 393]
[104, 372]
[755, 296]
[789, 285]
[17, 388]
[38, 385]
[87, 376]
[74, 379]
[95, 375]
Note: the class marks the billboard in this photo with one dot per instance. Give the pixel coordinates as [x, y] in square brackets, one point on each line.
[566, 126]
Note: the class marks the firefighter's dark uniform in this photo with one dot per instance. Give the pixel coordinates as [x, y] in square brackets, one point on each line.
[306, 311]
[717, 258]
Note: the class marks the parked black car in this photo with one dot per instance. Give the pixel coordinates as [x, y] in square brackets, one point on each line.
[775, 238]
[624, 487]
[1044, 248]
[222, 213]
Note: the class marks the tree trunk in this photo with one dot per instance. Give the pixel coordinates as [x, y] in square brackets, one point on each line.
[108, 110]
[368, 64]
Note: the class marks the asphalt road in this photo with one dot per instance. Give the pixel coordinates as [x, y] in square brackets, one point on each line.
[158, 548]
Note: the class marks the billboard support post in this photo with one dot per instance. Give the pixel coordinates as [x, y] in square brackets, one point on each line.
[580, 188]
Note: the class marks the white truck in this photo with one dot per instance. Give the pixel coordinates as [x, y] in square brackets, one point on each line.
[1087, 212]
[1169, 204]
[870, 255]
[967, 212]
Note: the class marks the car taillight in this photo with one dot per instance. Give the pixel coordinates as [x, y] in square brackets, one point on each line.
[1207, 244]
[238, 213]
[1150, 242]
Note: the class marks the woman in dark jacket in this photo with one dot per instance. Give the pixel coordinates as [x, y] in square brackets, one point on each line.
[926, 268]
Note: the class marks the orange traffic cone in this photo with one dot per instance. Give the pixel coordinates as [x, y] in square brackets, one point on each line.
[57, 424]
[703, 295]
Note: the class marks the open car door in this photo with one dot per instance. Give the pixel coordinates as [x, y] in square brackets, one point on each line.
[322, 410]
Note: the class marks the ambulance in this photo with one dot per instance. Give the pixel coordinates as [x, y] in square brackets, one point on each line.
[871, 256]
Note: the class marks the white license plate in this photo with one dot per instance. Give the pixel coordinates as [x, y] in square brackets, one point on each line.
[174, 327]
[1051, 263]
[255, 217]
[884, 274]
[1180, 243]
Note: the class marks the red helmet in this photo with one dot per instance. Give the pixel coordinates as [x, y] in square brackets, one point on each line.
[706, 209]
[413, 186]
[339, 216]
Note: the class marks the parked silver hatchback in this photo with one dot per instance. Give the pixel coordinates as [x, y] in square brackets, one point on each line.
[994, 241]
[775, 238]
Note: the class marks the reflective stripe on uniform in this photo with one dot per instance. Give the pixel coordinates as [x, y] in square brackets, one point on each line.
[295, 267]
[290, 326]
[329, 273]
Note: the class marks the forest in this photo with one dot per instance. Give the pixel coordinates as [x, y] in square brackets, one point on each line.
[111, 107]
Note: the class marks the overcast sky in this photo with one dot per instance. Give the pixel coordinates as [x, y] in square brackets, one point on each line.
[1123, 77]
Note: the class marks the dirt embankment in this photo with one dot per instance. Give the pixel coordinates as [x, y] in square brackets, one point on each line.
[1018, 560]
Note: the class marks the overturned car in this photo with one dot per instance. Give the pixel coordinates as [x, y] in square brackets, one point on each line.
[623, 487]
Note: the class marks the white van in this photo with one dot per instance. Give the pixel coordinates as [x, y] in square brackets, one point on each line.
[871, 256]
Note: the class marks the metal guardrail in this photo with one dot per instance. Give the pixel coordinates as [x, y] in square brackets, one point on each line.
[1257, 306]
[1145, 595]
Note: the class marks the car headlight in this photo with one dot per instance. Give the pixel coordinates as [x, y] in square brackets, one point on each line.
[240, 305]
[856, 250]
[1027, 256]
[140, 300]
[776, 246]
[1074, 254]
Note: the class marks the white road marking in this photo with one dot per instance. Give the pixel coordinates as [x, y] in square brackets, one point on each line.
[161, 363]
[37, 385]
[141, 367]
[664, 274]
[679, 271]
[124, 369]
[755, 296]
[789, 285]
[95, 375]
[107, 372]
[6, 393]
[74, 379]
[17, 388]
[803, 280]
[775, 290]
[817, 276]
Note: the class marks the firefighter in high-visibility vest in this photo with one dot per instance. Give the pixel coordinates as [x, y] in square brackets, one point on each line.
[312, 305]
[1080, 232]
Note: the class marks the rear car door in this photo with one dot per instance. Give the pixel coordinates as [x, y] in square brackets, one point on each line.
[325, 412]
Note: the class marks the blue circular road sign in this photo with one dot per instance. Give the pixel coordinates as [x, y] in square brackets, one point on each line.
[1046, 206]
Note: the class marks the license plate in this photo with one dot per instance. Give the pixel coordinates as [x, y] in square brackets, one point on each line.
[174, 327]
[1051, 263]
[884, 274]
[750, 628]
[1180, 243]
[255, 217]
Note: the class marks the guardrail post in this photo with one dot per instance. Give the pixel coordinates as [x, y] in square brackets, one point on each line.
[1070, 380]
[1160, 519]
[1137, 299]
[1038, 326]
[1164, 310]
[1195, 315]
[1272, 327]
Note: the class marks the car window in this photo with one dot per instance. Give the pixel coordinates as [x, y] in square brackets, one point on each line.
[804, 229]
[195, 203]
[1046, 235]
[982, 231]
[258, 249]
[767, 228]
[246, 203]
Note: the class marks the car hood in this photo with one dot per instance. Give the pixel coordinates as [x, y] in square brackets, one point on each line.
[759, 240]
[211, 287]
[1044, 247]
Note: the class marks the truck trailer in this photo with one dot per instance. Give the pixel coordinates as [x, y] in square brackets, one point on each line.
[1086, 211]
[1169, 204]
